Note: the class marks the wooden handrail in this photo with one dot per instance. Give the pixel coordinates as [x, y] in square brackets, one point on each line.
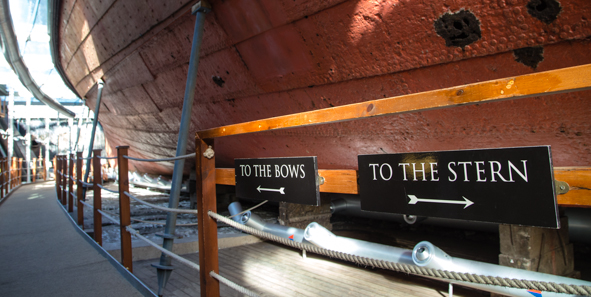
[536, 84]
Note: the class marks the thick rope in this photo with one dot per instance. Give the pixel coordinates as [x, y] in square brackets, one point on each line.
[86, 204]
[107, 158]
[191, 264]
[233, 285]
[163, 159]
[153, 223]
[164, 224]
[102, 187]
[109, 217]
[254, 207]
[177, 210]
[88, 185]
[167, 252]
[412, 269]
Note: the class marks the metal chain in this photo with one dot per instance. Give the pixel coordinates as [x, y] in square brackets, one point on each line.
[412, 269]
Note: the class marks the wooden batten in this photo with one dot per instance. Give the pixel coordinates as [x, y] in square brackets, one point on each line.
[345, 182]
[536, 84]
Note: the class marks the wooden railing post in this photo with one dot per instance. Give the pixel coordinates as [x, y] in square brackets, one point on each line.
[64, 177]
[20, 171]
[43, 168]
[12, 172]
[124, 207]
[34, 173]
[207, 227]
[71, 184]
[97, 180]
[56, 175]
[79, 191]
[2, 178]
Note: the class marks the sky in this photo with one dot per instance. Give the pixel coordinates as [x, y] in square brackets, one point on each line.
[33, 38]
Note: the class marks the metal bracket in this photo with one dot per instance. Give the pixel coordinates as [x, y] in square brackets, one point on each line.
[201, 6]
[561, 187]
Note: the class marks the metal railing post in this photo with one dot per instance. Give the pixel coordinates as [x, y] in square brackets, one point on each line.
[34, 173]
[71, 184]
[79, 186]
[164, 269]
[97, 108]
[97, 180]
[124, 207]
[207, 226]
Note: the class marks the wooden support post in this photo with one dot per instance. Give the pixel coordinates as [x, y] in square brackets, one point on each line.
[34, 174]
[79, 191]
[124, 207]
[207, 227]
[537, 249]
[71, 184]
[97, 180]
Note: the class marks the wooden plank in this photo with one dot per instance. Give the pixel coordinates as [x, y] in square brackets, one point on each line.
[97, 203]
[225, 176]
[535, 84]
[345, 182]
[579, 181]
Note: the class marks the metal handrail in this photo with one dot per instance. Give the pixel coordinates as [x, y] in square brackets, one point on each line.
[163, 159]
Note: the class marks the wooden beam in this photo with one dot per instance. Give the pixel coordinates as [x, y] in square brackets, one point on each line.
[535, 84]
[345, 182]
[579, 181]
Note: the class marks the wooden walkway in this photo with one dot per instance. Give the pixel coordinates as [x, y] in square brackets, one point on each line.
[274, 270]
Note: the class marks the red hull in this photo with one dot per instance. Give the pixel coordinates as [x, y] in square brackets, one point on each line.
[281, 57]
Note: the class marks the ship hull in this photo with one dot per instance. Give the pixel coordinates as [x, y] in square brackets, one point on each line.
[269, 58]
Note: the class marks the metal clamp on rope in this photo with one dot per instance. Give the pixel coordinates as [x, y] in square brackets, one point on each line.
[561, 187]
[201, 6]
[209, 153]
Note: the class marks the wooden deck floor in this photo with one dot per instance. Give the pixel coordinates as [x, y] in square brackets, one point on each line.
[273, 270]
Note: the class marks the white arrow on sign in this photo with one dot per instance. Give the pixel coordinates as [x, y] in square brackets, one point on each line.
[280, 190]
[415, 200]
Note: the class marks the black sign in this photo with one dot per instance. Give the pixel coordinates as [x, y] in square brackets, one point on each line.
[511, 186]
[278, 179]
